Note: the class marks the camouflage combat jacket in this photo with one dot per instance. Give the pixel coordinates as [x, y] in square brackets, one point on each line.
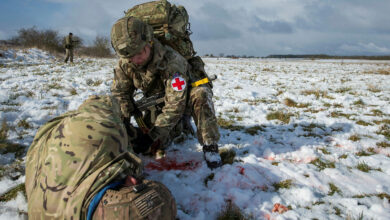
[75, 155]
[167, 72]
[69, 43]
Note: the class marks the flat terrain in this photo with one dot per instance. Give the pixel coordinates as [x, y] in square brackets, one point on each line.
[311, 135]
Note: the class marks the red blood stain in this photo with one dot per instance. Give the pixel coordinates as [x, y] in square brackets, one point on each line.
[170, 164]
[242, 170]
[279, 208]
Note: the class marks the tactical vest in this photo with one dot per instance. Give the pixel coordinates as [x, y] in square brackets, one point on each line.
[169, 22]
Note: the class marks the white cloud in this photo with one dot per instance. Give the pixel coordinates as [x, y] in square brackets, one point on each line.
[364, 48]
[251, 26]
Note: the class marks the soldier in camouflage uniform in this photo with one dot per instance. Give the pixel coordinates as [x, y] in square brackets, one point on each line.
[148, 65]
[80, 166]
[69, 45]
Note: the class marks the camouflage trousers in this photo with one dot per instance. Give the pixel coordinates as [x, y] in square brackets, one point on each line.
[68, 54]
[201, 108]
[151, 201]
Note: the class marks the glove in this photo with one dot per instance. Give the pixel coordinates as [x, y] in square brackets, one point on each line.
[142, 143]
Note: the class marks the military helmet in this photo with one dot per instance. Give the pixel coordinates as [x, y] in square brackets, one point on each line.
[129, 35]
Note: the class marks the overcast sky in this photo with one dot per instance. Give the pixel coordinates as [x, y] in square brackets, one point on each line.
[246, 27]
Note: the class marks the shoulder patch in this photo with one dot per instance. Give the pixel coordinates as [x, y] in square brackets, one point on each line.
[178, 83]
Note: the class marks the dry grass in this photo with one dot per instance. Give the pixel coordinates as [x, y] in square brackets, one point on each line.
[354, 138]
[254, 130]
[227, 156]
[285, 184]
[4, 130]
[373, 88]
[228, 124]
[73, 91]
[317, 94]
[279, 115]
[291, 103]
[24, 124]
[11, 194]
[380, 71]
[231, 212]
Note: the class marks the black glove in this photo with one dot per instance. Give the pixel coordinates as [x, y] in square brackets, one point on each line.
[142, 143]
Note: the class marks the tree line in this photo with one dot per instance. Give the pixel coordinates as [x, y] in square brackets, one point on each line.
[50, 40]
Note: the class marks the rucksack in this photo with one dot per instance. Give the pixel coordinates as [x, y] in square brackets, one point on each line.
[169, 22]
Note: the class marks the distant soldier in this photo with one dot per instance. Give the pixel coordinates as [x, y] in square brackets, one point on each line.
[148, 65]
[80, 166]
[69, 46]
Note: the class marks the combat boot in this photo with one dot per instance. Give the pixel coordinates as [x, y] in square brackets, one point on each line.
[211, 155]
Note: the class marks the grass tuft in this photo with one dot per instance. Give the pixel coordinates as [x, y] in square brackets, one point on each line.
[363, 123]
[317, 93]
[337, 211]
[54, 85]
[384, 121]
[279, 115]
[373, 89]
[354, 138]
[333, 189]
[381, 72]
[11, 194]
[73, 91]
[97, 82]
[231, 212]
[324, 150]
[338, 114]
[376, 112]
[343, 90]
[321, 165]
[291, 103]
[227, 156]
[363, 153]
[380, 195]
[6, 147]
[385, 131]
[254, 130]
[362, 166]
[228, 124]
[359, 102]
[285, 184]
[383, 144]
[24, 124]
[4, 130]
[344, 156]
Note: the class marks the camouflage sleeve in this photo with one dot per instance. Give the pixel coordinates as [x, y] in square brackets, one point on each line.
[176, 88]
[122, 89]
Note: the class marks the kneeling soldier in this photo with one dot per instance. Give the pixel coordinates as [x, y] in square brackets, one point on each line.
[79, 166]
[147, 65]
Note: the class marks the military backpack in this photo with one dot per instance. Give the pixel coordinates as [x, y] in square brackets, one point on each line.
[169, 22]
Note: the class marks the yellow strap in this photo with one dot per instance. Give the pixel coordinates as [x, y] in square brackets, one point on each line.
[200, 82]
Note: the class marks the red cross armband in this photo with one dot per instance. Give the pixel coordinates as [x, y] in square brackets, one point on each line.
[178, 83]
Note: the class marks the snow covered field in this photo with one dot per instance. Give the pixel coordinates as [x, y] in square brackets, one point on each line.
[310, 135]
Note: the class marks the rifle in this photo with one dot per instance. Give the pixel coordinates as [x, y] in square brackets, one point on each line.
[149, 103]
[152, 102]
